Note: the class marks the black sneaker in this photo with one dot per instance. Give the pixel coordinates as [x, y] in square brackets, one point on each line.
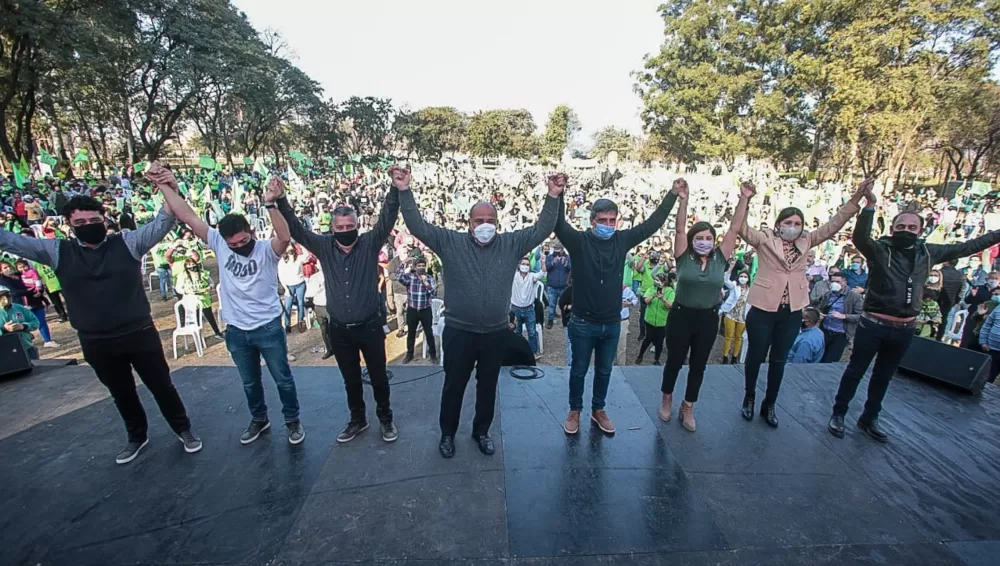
[253, 431]
[327, 356]
[351, 430]
[435, 359]
[130, 452]
[389, 433]
[408, 359]
[191, 441]
[548, 326]
[296, 434]
[872, 429]
[836, 426]
[401, 333]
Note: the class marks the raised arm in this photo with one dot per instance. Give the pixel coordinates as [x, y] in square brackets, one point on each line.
[566, 233]
[862, 236]
[846, 212]
[282, 233]
[140, 241]
[640, 233]
[309, 240]
[941, 253]
[167, 185]
[35, 249]
[680, 231]
[532, 236]
[747, 190]
[389, 213]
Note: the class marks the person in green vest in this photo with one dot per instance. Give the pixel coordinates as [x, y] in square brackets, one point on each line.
[18, 319]
[648, 269]
[53, 287]
[325, 218]
[197, 281]
[143, 215]
[162, 266]
[658, 299]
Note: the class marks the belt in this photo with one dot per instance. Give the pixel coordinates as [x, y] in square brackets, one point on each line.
[365, 322]
[888, 323]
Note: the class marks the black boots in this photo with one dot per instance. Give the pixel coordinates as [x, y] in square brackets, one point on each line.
[836, 426]
[872, 429]
[770, 415]
[725, 360]
[747, 409]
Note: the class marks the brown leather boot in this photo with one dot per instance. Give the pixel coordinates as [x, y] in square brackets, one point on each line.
[666, 408]
[687, 415]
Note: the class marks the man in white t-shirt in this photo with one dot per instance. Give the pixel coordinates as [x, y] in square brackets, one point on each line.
[248, 270]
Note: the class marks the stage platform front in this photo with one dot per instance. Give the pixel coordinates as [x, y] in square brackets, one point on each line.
[732, 493]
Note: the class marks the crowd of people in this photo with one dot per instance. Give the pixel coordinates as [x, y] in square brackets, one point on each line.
[473, 257]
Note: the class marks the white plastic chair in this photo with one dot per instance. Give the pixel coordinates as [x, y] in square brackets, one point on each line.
[190, 326]
[743, 348]
[541, 341]
[142, 268]
[437, 328]
[150, 277]
[218, 293]
[956, 325]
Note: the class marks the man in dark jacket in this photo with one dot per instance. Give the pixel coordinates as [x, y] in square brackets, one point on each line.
[841, 307]
[557, 268]
[899, 267]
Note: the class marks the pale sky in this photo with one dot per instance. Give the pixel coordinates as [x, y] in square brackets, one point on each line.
[533, 54]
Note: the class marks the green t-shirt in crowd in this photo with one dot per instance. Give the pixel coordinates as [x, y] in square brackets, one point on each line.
[646, 277]
[656, 310]
[699, 288]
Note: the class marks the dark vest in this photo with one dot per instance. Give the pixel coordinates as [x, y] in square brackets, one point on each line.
[103, 288]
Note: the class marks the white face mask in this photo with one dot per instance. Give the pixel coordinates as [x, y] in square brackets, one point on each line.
[835, 287]
[932, 279]
[991, 283]
[789, 234]
[743, 280]
[484, 233]
[523, 268]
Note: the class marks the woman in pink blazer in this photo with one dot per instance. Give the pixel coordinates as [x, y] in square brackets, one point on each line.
[779, 292]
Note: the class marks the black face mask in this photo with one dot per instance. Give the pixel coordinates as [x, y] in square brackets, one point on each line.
[347, 238]
[92, 234]
[903, 239]
[246, 249]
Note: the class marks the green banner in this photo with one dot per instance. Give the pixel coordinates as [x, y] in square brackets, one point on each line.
[206, 162]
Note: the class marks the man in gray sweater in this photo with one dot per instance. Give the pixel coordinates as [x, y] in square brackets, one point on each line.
[478, 266]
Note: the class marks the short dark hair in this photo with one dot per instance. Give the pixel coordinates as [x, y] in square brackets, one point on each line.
[810, 315]
[905, 212]
[839, 274]
[344, 210]
[698, 227]
[232, 224]
[603, 205]
[81, 202]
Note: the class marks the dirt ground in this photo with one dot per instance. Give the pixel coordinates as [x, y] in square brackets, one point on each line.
[307, 347]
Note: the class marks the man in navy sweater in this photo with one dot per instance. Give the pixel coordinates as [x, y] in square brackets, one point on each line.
[599, 254]
[557, 269]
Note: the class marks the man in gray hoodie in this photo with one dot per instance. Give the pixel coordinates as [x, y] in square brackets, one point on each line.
[478, 266]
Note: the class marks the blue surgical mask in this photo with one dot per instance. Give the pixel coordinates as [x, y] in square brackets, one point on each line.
[603, 231]
[856, 266]
[996, 298]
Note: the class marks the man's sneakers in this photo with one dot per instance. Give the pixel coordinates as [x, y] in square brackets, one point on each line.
[572, 424]
[389, 432]
[190, 441]
[51, 344]
[408, 359]
[130, 452]
[296, 434]
[253, 431]
[351, 430]
[600, 418]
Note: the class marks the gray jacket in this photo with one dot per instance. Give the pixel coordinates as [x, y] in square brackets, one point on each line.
[477, 278]
[852, 310]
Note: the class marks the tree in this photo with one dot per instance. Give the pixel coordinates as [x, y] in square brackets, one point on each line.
[968, 126]
[610, 139]
[430, 132]
[562, 125]
[494, 133]
[367, 124]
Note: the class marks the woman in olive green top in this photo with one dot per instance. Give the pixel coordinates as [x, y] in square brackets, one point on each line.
[694, 316]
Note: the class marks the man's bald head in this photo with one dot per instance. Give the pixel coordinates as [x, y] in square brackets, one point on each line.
[482, 213]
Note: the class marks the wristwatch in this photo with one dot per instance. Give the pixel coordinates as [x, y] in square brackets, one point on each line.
[270, 206]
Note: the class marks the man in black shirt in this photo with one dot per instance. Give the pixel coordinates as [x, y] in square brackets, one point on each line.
[350, 271]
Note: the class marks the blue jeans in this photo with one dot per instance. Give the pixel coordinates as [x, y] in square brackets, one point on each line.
[553, 293]
[526, 316]
[166, 280]
[601, 341]
[247, 347]
[298, 293]
[569, 350]
[43, 325]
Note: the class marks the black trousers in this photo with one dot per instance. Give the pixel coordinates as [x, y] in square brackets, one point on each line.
[836, 343]
[425, 317]
[886, 344]
[348, 344]
[467, 351]
[113, 360]
[654, 336]
[57, 304]
[774, 331]
[323, 319]
[691, 330]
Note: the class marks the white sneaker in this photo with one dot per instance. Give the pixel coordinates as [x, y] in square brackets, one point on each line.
[51, 344]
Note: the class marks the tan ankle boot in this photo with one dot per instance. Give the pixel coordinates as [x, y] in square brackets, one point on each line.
[687, 415]
[666, 408]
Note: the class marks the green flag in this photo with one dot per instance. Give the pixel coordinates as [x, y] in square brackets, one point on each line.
[258, 167]
[81, 157]
[47, 158]
[206, 162]
[22, 173]
[237, 196]
[140, 166]
[248, 161]
[330, 162]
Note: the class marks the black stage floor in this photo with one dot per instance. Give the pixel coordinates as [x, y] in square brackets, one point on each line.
[732, 493]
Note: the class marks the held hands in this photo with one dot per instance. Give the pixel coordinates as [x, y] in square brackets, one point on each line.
[680, 188]
[557, 184]
[747, 190]
[866, 189]
[400, 177]
[275, 190]
[161, 177]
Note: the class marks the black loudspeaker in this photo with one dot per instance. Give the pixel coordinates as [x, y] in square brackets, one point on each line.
[965, 369]
[13, 357]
